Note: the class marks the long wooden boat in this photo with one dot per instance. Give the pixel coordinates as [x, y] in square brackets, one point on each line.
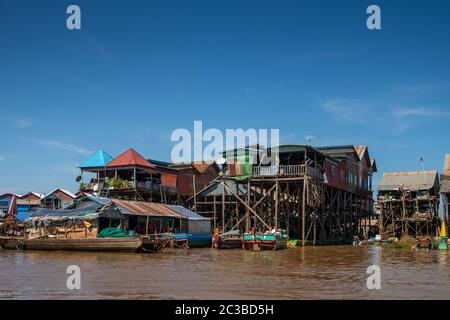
[128, 244]
[265, 241]
[228, 240]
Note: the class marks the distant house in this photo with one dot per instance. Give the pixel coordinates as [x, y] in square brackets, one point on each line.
[5, 201]
[409, 203]
[415, 183]
[58, 199]
[25, 204]
[194, 176]
[354, 168]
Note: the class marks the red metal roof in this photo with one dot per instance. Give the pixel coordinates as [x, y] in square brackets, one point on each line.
[130, 158]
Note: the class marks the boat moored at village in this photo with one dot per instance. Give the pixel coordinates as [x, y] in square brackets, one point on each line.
[126, 244]
[229, 240]
[274, 240]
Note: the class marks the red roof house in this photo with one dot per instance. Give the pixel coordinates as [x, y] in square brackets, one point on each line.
[130, 158]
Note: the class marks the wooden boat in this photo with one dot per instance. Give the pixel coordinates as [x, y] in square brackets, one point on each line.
[424, 243]
[252, 241]
[195, 240]
[265, 241]
[274, 241]
[9, 242]
[228, 240]
[128, 244]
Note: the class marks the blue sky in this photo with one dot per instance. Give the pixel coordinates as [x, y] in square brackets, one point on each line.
[139, 69]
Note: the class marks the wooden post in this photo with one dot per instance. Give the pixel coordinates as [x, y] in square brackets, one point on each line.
[404, 223]
[276, 204]
[135, 183]
[247, 212]
[215, 213]
[223, 207]
[303, 211]
[288, 213]
[345, 207]
[146, 226]
[299, 209]
[151, 187]
[195, 192]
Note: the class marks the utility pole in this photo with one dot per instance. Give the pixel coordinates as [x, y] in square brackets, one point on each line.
[421, 162]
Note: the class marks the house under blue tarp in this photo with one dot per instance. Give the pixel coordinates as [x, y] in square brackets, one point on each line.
[98, 159]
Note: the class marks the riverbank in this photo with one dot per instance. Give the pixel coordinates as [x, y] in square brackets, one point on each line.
[328, 272]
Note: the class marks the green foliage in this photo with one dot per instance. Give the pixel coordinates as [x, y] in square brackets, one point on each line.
[118, 183]
[83, 186]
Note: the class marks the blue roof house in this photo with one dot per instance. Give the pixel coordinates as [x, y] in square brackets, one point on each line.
[96, 164]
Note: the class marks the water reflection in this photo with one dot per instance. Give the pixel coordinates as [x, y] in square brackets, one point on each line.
[299, 273]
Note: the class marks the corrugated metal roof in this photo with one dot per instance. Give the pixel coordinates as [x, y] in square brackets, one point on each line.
[191, 215]
[159, 162]
[216, 188]
[70, 194]
[146, 208]
[415, 180]
[338, 150]
[39, 195]
[447, 165]
[10, 195]
[445, 184]
[100, 200]
[200, 166]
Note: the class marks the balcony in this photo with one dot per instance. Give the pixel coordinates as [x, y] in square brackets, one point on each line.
[287, 170]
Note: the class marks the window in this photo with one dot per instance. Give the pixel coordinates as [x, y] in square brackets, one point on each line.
[333, 170]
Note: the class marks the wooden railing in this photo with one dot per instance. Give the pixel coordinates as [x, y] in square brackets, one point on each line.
[287, 170]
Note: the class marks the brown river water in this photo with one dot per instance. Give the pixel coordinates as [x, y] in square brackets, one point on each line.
[335, 272]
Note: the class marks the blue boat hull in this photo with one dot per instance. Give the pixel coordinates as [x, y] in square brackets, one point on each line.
[195, 240]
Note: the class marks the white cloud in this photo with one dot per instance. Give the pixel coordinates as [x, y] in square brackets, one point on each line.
[64, 146]
[23, 123]
[2, 158]
[419, 111]
[345, 109]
